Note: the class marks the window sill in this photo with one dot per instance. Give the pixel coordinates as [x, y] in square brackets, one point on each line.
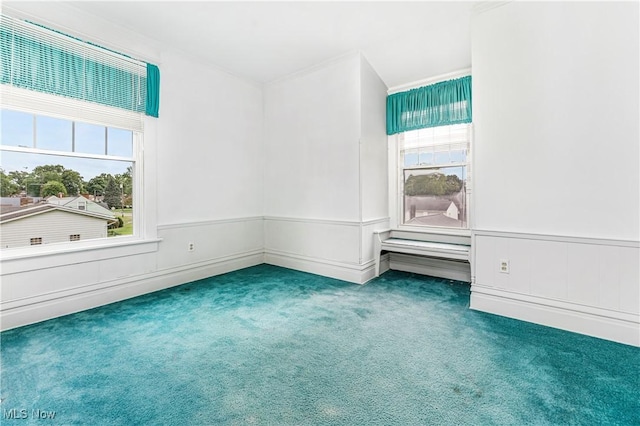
[435, 230]
[31, 258]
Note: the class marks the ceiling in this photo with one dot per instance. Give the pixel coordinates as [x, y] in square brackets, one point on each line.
[264, 41]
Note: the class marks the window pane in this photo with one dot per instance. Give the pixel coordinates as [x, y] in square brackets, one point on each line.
[458, 156]
[90, 139]
[426, 158]
[17, 128]
[442, 157]
[120, 142]
[410, 158]
[435, 197]
[53, 134]
[95, 194]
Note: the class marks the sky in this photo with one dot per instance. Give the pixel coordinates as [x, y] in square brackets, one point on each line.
[18, 129]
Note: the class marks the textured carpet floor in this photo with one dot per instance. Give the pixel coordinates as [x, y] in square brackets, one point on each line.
[267, 345]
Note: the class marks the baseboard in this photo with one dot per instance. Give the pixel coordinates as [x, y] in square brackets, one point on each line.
[20, 313]
[452, 270]
[358, 274]
[385, 263]
[610, 325]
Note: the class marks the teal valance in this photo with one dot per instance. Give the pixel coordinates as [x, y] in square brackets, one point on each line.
[440, 104]
[153, 90]
[44, 60]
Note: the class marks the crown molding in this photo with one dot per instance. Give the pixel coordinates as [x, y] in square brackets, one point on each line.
[431, 80]
[484, 6]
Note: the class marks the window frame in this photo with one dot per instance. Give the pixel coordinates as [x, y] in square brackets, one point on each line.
[400, 202]
[396, 191]
[137, 161]
[396, 172]
[33, 258]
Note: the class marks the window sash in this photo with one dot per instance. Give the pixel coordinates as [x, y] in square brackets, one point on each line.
[136, 161]
[416, 141]
[464, 203]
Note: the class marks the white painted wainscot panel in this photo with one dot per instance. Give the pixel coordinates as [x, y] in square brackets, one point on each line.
[333, 248]
[585, 285]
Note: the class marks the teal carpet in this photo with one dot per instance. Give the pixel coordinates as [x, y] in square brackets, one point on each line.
[272, 346]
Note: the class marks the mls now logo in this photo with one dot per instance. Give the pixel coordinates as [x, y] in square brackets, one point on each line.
[17, 414]
[14, 413]
[42, 414]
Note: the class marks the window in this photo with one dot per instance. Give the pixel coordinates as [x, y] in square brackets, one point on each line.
[433, 176]
[429, 153]
[82, 167]
[71, 120]
[35, 241]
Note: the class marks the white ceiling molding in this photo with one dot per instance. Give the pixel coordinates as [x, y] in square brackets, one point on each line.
[75, 22]
[264, 41]
[431, 80]
[484, 6]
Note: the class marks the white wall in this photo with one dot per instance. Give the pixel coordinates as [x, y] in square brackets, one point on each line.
[312, 127]
[556, 167]
[210, 169]
[556, 119]
[203, 170]
[323, 159]
[374, 196]
[373, 144]
[209, 144]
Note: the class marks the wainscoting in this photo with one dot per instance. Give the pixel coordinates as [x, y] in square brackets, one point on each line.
[39, 288]
[336, 249]
[452, 270]
[589, 286]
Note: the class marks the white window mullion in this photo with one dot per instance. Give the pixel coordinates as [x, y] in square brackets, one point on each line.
[64, 153]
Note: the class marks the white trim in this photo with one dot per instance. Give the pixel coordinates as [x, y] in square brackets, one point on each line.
[557, 238]
[318, 221]
[617, 326]
[346, 271]
[395, 188]
[431, 80]
[58, 294]
[464, 232]
[375, 221]
[42, 307]
[385, 264]
[74, 110]
[484, 6]
[452, 270]
[568, 306]
[19, 260]
[313, 68]
[66, 153]
[393, 179]
[17, 254]
[208, 222]
[348, 265]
